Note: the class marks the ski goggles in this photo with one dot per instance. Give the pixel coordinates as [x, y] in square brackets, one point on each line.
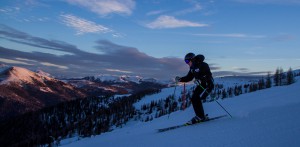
[187, 61]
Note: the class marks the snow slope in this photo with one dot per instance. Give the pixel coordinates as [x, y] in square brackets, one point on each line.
[264, 118]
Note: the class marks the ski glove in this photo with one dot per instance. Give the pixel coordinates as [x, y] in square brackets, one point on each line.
[177, 79]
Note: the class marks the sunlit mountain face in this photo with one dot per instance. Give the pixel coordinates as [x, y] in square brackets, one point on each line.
[23, 91]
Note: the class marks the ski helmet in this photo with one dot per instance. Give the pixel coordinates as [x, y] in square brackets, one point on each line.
[188, 57]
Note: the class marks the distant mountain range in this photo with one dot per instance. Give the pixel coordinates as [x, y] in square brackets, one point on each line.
[22, 90]
[111, 84]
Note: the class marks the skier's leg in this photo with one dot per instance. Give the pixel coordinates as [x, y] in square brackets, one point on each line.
[198, 107]
[197, 104]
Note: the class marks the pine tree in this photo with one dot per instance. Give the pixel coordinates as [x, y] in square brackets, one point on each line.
[268, 81]
[261, 84]
[224, 94]
[290, 77]
[276, 77]
[281, 76]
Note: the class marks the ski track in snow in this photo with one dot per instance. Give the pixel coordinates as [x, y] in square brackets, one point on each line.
[264, 118]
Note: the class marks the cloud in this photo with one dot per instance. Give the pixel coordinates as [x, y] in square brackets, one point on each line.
[83, 26]
[196, 6]
[284, 37]
[54, 65]
[156, 12]
[286, 2]
[19, 37]
[117, 70]
[17, 11]
[106, 7]
[231, 35]
[166, 21]
[11, 61]
[233, 73]
[242, 69]
[115, 59]
[10, 10]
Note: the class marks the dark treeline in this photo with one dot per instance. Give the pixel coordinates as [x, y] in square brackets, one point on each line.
[278, 79]
[167, 105]
[81, 117]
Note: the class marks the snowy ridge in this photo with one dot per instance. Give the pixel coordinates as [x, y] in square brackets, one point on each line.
[42, 73]
[18, 74]
[263, 118]
[236, 80]
[123, 78]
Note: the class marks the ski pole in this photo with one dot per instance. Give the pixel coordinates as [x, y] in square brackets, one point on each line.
[183, 97]
[216, 101]
[224, 109]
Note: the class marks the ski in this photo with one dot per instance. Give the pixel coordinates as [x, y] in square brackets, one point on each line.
[183, 125]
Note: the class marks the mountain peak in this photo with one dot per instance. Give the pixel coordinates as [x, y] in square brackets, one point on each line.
[19, 74]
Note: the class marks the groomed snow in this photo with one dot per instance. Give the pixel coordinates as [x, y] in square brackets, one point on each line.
[264, 118]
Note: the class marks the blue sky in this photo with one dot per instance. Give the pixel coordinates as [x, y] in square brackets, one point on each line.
[149, 38]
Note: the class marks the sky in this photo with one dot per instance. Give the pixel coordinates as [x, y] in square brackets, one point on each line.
[149, 38]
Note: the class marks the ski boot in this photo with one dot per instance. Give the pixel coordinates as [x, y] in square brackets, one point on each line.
[197, 119]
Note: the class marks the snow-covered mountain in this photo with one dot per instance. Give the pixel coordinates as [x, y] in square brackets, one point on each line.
[114, 84]
[22, 90]
[120, 79]
[266, 117]
[21, 75]
[116, 79]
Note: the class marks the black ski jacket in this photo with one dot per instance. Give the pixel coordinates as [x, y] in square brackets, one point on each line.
[201, 72]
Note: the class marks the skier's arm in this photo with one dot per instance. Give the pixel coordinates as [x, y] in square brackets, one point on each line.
[187, 78]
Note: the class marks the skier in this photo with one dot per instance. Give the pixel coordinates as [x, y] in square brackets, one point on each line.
[204, 80]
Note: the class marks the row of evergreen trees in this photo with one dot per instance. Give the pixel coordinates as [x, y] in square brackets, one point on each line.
[280, 76]
[167, 105]
[279, 79]
[81, 117]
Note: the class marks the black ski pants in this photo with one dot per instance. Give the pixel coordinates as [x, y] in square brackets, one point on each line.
[198, 95]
